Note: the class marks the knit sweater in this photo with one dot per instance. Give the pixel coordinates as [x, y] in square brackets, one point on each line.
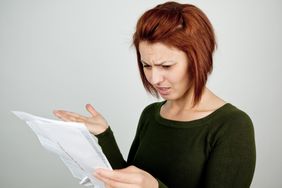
[216, 151]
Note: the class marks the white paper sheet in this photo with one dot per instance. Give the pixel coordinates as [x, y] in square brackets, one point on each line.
[73, 143]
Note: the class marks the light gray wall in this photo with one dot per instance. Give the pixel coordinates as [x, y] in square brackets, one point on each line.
[66, 53]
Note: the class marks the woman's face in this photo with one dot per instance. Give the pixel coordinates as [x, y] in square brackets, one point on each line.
[165, 68]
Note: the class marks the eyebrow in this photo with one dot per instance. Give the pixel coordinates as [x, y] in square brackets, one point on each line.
[158, 64]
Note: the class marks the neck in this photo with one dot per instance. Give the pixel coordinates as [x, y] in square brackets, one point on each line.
[186, 102]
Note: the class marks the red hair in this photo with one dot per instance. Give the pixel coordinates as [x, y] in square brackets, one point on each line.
[186, 28]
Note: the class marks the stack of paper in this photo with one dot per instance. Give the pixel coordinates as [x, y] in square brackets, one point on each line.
[73, 143]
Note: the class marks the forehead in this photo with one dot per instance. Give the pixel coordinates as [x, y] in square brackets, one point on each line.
[159, 51]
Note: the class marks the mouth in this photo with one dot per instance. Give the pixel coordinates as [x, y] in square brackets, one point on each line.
[163, 90]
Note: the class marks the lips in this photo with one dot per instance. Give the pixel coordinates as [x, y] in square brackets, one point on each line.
[163, 90]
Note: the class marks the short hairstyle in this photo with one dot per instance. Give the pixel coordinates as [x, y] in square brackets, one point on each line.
[185, 27]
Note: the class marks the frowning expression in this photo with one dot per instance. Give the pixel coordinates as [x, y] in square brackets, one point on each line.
[165, 68]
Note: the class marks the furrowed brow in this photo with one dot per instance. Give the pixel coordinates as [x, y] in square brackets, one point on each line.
[157, 64]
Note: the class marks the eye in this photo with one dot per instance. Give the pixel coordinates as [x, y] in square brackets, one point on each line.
[145, 66]
[166, 66]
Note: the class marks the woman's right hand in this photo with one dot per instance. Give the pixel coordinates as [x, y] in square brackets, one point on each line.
[96, 123]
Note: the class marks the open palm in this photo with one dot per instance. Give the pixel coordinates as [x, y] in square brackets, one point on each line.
[96, 123]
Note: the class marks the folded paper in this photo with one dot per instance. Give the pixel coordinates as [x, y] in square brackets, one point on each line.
[73, 143]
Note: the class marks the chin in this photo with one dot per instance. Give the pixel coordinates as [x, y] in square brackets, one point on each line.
[168, 97]
[172, 96]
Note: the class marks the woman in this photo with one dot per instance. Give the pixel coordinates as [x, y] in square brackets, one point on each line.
[191, 139]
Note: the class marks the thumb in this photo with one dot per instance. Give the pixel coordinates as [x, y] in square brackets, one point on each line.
[91, 110]
[129, 169]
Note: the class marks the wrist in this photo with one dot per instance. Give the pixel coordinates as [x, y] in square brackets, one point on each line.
[99, 130]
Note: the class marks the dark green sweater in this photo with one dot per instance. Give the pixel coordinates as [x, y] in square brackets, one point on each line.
[217, 151]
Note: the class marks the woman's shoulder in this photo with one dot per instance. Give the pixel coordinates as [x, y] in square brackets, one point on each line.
[233, 118]
[232, 112]
[152, 107]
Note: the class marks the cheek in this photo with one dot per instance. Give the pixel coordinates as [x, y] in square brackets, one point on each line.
[147, 75]
[178, 77]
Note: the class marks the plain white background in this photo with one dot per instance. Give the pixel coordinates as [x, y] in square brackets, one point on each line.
[63, 54]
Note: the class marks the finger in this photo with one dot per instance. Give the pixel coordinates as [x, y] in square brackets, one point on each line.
[131, 169]
[91, 110]
[61, 117]
[70, 116]
[78, 116]
[110, 183]
[118, 175]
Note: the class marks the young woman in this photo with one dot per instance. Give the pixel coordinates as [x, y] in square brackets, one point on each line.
[191, 139]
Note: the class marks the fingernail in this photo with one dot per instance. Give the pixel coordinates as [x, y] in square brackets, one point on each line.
[96, 172]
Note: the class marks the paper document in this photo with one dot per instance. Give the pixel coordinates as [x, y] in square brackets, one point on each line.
[73, 143]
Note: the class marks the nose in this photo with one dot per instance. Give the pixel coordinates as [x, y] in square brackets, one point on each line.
[156, 76]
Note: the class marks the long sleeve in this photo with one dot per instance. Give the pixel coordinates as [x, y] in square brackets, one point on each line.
[111, 150]
[232, 160]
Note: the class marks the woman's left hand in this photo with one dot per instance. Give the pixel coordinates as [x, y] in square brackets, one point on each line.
[130, 177]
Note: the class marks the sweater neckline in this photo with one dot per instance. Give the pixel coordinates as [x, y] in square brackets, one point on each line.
[188, 124]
